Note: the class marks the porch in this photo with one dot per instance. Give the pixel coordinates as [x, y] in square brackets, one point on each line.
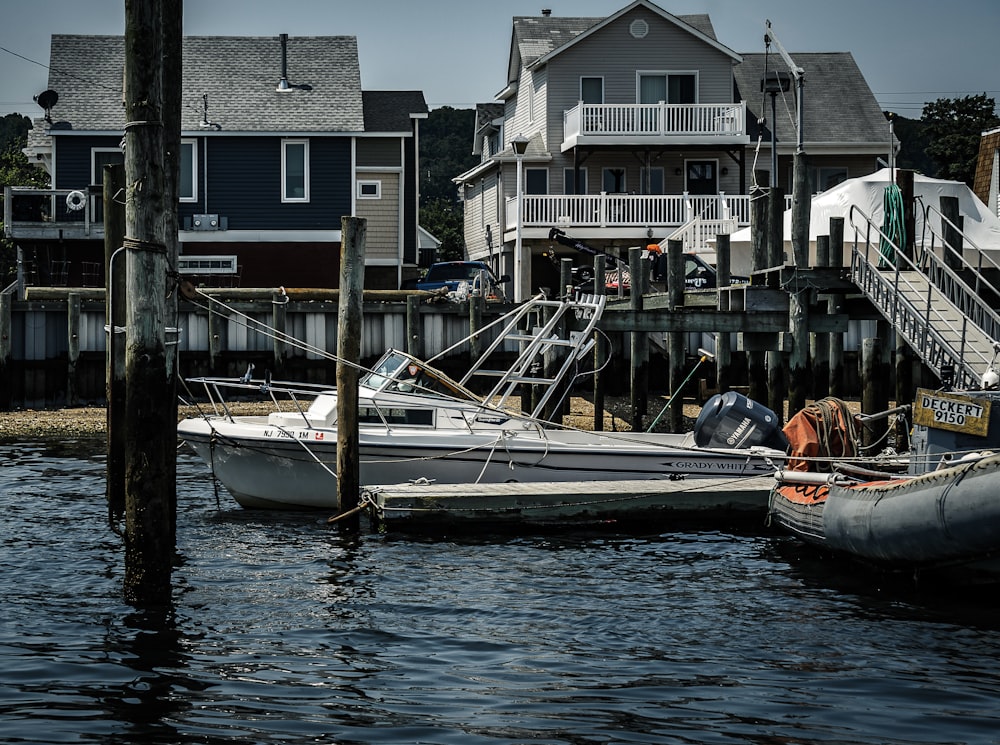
[718, 124]
[53, 214]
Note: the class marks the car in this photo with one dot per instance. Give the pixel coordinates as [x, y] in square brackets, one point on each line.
[477, 276]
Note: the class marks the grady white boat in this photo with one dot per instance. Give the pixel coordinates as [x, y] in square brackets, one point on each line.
[418, 424]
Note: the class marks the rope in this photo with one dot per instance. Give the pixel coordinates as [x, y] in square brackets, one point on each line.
[893, 226]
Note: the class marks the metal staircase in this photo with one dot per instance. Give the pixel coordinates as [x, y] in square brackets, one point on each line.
[939, 302]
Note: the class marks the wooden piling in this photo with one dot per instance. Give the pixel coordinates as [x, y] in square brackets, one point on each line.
[414, 341]
[151, 431]
[757, 360]
[601, 360]
[675, 339]
[349, 328]
[6, 396]
[638, 343]
[723, 339]
[835, 305]
[279, 322]
[114, 312]
[819, 343]
[72, 348]
[951, 232]
[873, 398]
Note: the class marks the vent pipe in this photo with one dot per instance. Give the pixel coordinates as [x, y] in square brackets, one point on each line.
[546, 12]
[283, 85]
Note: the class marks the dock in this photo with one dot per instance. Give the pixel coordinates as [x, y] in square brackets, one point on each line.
[542, 503]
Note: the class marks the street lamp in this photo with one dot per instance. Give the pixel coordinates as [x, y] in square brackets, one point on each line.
[774, 82]
[519, 144]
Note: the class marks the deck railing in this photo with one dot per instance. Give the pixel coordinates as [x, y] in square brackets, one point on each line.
[655, 120]
[61, 213]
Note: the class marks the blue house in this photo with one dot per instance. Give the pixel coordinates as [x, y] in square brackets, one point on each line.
[279, 141]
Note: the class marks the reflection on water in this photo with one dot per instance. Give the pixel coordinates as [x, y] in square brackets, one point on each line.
[284, 630]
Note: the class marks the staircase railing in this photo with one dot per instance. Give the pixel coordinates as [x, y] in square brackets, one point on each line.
[919, 309]
[974, 294]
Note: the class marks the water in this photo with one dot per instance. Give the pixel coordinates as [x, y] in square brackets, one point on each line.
[282, 630]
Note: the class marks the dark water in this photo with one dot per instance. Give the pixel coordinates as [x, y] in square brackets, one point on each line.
[284, 631]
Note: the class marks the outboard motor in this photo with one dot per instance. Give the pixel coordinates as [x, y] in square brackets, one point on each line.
[731, 420]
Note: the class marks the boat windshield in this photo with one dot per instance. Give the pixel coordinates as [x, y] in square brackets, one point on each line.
[400, 372]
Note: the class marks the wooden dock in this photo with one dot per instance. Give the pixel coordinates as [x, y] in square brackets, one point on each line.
[572, 501]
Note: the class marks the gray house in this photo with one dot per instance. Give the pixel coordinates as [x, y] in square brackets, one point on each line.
[279, 141]
[643, 126]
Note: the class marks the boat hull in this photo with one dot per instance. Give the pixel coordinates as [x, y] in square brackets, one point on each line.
[946, 516]
[285, 472]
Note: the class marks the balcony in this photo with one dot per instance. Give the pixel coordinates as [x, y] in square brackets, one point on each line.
[53, 214]
[626, 211]
[721, 124]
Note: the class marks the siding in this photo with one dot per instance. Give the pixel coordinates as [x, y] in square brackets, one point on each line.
[382, 152]
[244, 184]
[382, 242]
[74, 162]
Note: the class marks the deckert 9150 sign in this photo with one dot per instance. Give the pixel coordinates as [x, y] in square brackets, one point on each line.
[952, 412]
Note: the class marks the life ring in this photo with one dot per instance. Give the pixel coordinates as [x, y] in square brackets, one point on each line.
[76, 200]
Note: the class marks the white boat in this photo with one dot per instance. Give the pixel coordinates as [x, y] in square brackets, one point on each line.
[941, 515]
[416, 424]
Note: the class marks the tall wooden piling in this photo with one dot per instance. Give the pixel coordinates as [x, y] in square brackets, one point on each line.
[873, 398]
[72, 348]
[776, 259]
[724, 339]
[352, 278]
[638, 343]
[601, 360]
[5, 352]
[151, 429]
[757, 360]
[115, 304]
[835, 305]
[675, 339]
[951, 230]
[819, 343]
[414, 342]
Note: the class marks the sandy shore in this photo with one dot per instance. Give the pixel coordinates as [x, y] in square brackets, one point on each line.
[91, 421]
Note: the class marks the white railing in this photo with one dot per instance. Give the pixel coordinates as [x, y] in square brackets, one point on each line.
[626, 210]
[655, 120]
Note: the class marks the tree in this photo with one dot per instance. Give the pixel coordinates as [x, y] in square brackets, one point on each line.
[913, 144]
[15, 170]
[953, 127]
[445, 152]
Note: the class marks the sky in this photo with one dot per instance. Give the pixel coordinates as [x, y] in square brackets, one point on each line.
[456, 51]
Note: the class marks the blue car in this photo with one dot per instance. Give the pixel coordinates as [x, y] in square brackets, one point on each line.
[479, 278]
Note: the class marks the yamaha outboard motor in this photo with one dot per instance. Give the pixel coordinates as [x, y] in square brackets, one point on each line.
[731, 420]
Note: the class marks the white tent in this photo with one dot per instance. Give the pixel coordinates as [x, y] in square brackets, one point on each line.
[981, 227]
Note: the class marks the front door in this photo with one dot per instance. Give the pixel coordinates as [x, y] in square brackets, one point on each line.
[702, 177]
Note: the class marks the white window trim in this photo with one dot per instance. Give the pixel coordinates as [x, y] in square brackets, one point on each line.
[370, 182]
[284, 180]
[98, 178]
[194, 170]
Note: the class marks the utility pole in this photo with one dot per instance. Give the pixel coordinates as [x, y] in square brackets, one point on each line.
[150, 420]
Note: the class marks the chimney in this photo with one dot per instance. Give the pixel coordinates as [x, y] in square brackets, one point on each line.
[283, 85]
[546, 12]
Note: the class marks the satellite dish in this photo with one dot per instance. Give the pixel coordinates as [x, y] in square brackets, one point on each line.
[47, 99]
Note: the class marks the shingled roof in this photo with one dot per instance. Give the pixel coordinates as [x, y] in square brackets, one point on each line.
[391, 111]
[239, 76]
[839, 106]
[537, 36]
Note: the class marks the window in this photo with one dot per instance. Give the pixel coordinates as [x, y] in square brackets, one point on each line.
[821, 179]
[295, 170]
[581, 181]
[536, 180]
[668, 87]
[592, 90]
[207, 264]
[187, 188]
[369, 190]
[651, 180]
[613, 180]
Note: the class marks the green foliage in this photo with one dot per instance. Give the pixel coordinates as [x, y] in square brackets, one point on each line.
[913, 144]
[953, 127]
[445, 151]
[15, 170]
[445, 221]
